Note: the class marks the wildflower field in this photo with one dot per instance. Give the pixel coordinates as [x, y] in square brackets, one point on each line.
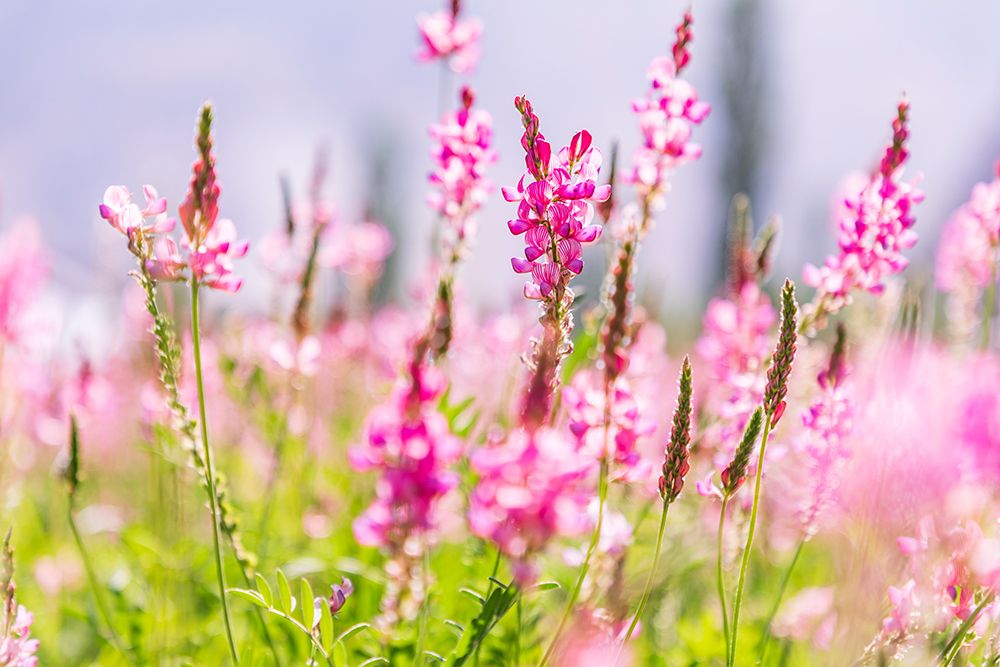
[810, 477]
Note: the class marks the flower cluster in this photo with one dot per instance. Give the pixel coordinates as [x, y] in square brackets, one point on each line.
[209, 244]
[875, 227]
[533, 487]
[555, 207]
[461, 151]
[968, 249]
[666, 116]
[17, 648]
[408, 441]
[585, 405]
[447, 37]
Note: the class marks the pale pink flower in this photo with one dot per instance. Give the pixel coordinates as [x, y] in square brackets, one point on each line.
[461, 153]
[585, 404]
[358, 250]
[23, 271]
[445, 36]
[967, 253]
[17, 648]
[666, 116]
[904, 603]
[874, 230]
[809, 616]
[211, 256]
[533, 487]
[126, 216]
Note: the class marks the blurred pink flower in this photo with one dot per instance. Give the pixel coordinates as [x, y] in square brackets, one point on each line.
[533, 487]
[967, 253]
[446, 36]
[23, 271]
[462, 153]
[809, 616]
[408, 441]
[17, 648]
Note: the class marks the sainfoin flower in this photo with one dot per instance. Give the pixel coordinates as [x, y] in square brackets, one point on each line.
[23, 270]
[407, 440]
[875, 227]
[585, 404]
[446, 36]
[533, 487]
[462, 152]
[17, 648]
[555, 207]
[967, 253]
[666, 116]
[125, 215]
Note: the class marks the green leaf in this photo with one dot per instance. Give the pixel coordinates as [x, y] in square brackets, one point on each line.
[496, 606]
[377, 660]
[285, 599]
[264, 588]
[353, 630]
[474, 595]
[253, 597]
[326, 627]
[543, 586]
[308, 608]
[339, 654]
[434, 655]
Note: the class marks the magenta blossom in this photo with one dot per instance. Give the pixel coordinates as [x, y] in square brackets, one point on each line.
[555, 209]
[533, 487]
[445, 36]
[875, 228]
[407, 440]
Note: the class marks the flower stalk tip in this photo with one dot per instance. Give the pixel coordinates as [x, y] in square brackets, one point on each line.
[736, 472]
[784, 355]
[676, 464]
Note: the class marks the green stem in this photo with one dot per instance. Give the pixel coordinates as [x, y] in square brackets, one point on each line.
[720, 581]
[989, 305]
[418, 659]
[594, 539]
[745, 564]
[766, 637]
[207, 454]
[517, 635]
[649, 582]
[95, 589]
[489, 590]
[952, 648]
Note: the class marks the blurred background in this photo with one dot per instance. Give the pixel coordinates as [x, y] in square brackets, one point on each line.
[104, 92]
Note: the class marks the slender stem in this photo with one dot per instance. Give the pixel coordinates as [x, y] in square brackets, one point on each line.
[95, 589]
[952, 648]
[745, 564]
[719, 575]
[766, 637]
[594, 539]
[489, 590]
[517, 635]
[989, 305]
[649, 582]
[418, 659]
[207, 454]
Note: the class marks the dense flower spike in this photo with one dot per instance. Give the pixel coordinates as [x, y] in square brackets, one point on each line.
[784, 355]
[736, 472]
[666, 116]
[408, 440]
[533, 487]
[675, 463]
[210, 243]
[875, 227]
[555, 213]
[447, 37]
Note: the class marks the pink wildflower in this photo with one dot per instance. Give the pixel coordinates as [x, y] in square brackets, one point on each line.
[585, 402]
[408, 441]
[446, 36]
[968, 249]
[666, 116]
[461, 152]
[875, 229]
[533, 487]
[808, 616]
[555, 208]
[23, 270]
[17, 648]
[904, 603]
